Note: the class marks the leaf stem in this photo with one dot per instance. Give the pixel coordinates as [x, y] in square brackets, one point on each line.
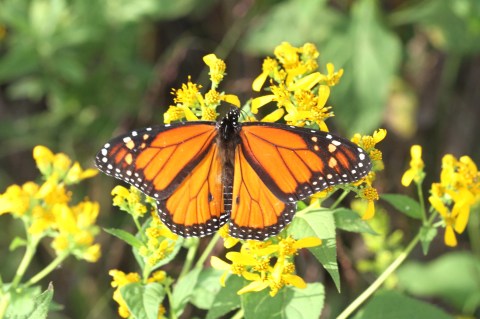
[48, 269]
[380, 280]
[207, 250]
[339, 199]
[422, 203]
[192, 251]
[32, 243]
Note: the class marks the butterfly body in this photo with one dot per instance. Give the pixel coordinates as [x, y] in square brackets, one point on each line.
[204, 174]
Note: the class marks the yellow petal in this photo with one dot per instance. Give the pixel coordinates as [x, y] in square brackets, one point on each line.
[189, 114]
[307, 242]
[370, 212]
[259, 81]
[379, 135]
[295, 280]
[416, 152]
[450, 239]
[407, 177]
[323, 94]
[274, 116]
[438, 205]
[210, 59]
[306, 83]
[239, 258]
[261, 101]
[232, 99]
[253, 286]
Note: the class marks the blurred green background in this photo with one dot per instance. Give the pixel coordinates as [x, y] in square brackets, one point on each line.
[75, 73]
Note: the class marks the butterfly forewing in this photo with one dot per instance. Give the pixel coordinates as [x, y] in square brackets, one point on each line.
[297, 162]
[156, 160]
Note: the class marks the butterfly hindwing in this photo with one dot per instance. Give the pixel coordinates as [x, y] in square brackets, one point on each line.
[196, 206]
[157, 159]
[298, 162]
[256, 212]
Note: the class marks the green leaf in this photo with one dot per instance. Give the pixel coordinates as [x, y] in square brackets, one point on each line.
[227, 299]
[208, 285]
[451, 277]
[125, 236]
[404, 204]
[349, 220]
[23, 302]
[321, 224]
[370, 54]
[427, 234]
[313, 21]
[183, 290]
[42, 303]
[17, 242]
[143, 301]
[391, 304]
[289, 302]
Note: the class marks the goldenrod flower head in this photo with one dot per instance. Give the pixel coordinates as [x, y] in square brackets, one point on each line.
[188, 95]
[217, 68]
[174, 113]
[415, 172]
[228, 241]
[44, 159]
[370, 194]
[160, 242]
[368, 143]
[129, 200]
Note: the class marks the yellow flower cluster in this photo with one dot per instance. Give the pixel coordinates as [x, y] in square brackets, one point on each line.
[129, 200]
[160, 242]
[46, 210]
[455, 194]
[296, 86]
[253, 262]
[192, 105]
[368, 143]
[121, 279]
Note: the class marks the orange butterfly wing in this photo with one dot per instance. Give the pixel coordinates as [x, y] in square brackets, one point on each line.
[179, 166]
[256, 212]
[296, 162]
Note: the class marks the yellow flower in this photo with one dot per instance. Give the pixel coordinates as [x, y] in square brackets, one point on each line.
[188, 95]
[76, 174]
[160, 242]
[121, 279]
[174, 113]
[415, 172]
[370, 194]
[269, 66]
[228, 241]
[217, 68]
[331, 78]
[129, 200]
[368, 143]
[253, 262]
[44, 159]
[18, 200]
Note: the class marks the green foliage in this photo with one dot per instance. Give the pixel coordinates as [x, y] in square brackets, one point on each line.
[143, 300]
[452, 278]
[321, 224]
[347, 219]
[404, 204]
[389, 304]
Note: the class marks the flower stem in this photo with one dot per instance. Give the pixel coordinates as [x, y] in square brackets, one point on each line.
[27, 258]
[207, 250]
[48, 269]
[192, 251]
[380, 280]
[4, 301]
[339, 199]
[422, 203]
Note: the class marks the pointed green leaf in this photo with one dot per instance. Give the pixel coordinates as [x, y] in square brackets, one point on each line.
[427, 234]
[42, 303]
[321, 224]
[125, 236]
[289, 302]
[349, 220]
[183, 290]
[208, 285]
[143, 301]
[404, 204]
[227, 299]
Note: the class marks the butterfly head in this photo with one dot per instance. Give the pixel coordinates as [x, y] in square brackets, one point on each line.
[229, 126]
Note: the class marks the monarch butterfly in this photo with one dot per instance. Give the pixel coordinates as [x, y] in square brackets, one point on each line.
[203, 174]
